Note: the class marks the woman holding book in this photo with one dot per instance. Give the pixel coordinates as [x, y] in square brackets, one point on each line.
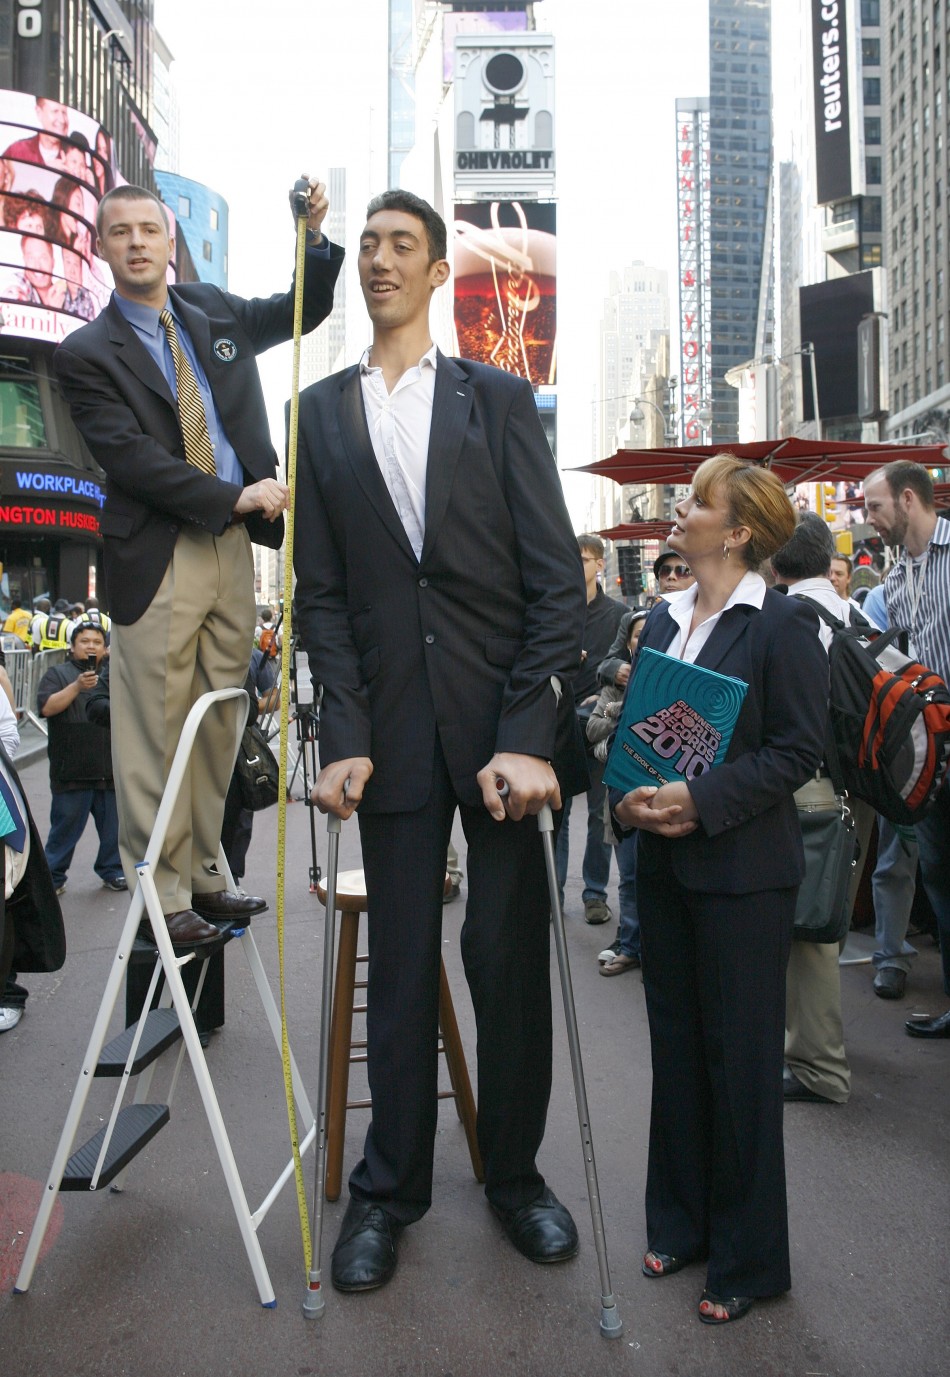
[719, 865]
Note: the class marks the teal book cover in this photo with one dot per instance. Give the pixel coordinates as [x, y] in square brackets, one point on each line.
[676, 724]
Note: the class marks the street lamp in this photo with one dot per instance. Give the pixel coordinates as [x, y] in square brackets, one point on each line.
[637, 417]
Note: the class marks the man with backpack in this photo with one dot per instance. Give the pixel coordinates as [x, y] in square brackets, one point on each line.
[899, 499]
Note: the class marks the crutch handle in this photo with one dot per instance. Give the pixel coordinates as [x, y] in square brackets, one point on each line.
[333, 823]
[545, 816]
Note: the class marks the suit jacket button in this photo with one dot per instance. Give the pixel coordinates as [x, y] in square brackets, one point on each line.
[423, 583]
[173, 529]
[430, 640]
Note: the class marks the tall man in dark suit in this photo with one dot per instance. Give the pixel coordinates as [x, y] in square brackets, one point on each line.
[441, 602]
[165, 390]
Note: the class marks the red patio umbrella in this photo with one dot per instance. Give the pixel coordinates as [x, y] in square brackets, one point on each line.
[794, 460]
[638, 530]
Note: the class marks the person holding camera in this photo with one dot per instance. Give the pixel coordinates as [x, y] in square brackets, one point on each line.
[80, 761]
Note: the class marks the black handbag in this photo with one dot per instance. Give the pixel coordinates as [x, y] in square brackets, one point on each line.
[257, 770]
[822, 913]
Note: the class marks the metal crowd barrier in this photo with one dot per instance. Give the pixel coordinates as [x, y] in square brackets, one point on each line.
[26, 670]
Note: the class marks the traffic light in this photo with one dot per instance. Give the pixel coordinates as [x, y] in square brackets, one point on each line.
[868, 563]
[630, 569]
[844, 543]
[829, 503]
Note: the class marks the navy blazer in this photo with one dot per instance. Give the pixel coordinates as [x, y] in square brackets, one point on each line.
[126, 413]
[748, 836]
[465, 640]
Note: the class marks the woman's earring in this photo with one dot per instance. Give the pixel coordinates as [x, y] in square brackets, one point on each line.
[725, 549]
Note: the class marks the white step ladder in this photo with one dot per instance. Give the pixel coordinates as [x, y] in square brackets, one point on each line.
[134, 1052]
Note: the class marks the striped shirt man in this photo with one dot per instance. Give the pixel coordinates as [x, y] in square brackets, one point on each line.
[917, 596]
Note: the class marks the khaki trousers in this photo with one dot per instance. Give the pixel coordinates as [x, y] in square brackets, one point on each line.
[814, 1032]
[195, 636]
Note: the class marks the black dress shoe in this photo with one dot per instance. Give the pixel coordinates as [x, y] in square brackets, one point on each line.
[889, 982]
[186, 929]
[365, 1252]
[793, 1089]
[542, 1231]
[929, 1027]
[221, 903]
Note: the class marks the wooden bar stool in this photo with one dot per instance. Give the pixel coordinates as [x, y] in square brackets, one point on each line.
[351, 902]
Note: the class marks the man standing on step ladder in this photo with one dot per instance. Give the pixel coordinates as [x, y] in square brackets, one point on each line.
[441, 602]
[164, 389]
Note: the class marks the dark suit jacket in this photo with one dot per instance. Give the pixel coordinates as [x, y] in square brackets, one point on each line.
[32, 935]
[464, 641]
[126, 413]
[749, 838]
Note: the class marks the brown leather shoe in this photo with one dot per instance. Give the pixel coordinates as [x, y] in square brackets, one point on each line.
[221, 903]
[186, 929]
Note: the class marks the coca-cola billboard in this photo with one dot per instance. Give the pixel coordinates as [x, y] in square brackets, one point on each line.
[506, 287]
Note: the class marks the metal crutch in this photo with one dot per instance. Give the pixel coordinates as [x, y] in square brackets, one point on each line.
[611, 1325]
[314, 1303]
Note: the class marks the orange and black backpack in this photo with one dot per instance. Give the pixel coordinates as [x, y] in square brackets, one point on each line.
[889, 721]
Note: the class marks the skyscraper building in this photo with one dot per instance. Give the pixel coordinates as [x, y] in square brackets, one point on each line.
[76, 118]
[916, 108]
[635, 321]
[636, 310]
[323, 351]
[402, 86]
[201, 219]
[740, 160]
[829, 147]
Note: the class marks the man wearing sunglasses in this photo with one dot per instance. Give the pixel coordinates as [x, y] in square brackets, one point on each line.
[672, 575]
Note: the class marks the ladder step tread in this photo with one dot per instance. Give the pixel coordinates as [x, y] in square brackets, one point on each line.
[136, 1125]
[161, 1030]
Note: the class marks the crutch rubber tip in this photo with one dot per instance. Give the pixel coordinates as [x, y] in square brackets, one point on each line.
[313, 1303]
[611, 1325]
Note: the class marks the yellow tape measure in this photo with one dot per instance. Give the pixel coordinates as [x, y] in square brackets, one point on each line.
[285, 652]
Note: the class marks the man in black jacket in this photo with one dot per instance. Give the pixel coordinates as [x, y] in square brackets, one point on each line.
[441, 604]
[164, 389]
[80, 762]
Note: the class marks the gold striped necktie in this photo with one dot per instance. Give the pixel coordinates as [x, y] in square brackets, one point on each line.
[199, 450]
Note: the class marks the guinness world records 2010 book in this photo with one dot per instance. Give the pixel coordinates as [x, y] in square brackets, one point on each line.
[677, 722]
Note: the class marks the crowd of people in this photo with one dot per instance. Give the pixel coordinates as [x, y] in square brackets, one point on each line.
[472, 664]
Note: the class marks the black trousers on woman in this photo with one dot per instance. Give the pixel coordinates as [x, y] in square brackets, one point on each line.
[714, 974]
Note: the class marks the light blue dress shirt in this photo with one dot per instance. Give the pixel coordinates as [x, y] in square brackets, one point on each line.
[146, 324]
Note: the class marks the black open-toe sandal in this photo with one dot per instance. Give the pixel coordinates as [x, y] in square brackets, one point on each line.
[734, 1306]
[668, 1265]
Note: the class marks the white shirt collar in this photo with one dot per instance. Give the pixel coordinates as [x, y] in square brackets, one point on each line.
[750, 589]
[430, 357]
[687, 646]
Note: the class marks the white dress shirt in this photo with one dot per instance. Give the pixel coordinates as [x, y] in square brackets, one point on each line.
[750, 589]
[399, 424]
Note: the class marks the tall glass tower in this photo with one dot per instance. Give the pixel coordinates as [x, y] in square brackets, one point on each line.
[740, 159]
[402, 87]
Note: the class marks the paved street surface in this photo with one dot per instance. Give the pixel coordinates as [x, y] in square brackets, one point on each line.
[154, 1282]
